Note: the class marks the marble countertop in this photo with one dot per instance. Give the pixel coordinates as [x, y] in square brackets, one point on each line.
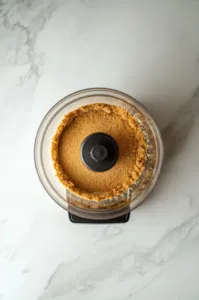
[149, 49]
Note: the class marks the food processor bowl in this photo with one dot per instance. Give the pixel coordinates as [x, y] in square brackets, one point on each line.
[107, 208]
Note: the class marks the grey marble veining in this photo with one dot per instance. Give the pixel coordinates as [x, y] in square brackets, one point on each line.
[179, 129]
[49, 49]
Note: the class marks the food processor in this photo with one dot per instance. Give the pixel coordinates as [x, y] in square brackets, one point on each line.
[115, 209]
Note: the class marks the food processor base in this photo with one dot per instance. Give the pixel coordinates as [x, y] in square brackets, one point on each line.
[121, 219]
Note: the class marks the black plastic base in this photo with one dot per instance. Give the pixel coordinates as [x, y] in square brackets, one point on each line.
[121, 219]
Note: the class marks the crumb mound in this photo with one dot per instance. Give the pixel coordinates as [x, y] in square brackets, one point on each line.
[65, 150]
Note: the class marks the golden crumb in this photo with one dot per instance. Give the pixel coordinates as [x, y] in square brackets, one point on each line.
[75, 127]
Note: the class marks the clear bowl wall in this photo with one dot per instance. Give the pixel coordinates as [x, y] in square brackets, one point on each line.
[108, 208]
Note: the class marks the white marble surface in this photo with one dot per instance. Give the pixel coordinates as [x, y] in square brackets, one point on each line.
[149, 49]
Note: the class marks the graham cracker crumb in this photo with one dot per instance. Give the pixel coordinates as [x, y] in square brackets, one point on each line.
[65, 150]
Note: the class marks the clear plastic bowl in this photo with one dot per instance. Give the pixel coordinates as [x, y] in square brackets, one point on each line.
[108, 208]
